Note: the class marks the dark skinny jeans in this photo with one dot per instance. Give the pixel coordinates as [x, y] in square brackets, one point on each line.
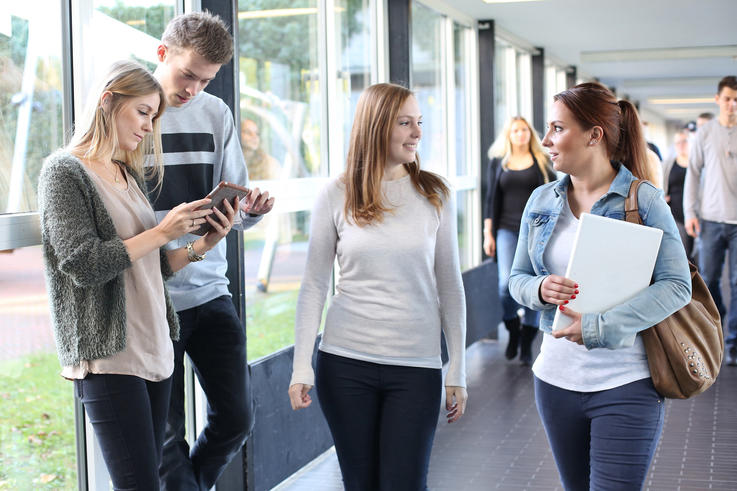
[383, 420]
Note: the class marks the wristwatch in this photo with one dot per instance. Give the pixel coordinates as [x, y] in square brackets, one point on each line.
[192, 255]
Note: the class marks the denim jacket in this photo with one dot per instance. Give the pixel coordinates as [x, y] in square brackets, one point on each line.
[617, 327]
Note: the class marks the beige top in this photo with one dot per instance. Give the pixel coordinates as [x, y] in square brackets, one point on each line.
[149, 353]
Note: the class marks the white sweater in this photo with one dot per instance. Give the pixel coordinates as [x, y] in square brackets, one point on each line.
[400, 283]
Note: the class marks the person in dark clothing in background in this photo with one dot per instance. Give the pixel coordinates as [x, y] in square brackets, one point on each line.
[674, 175]
[518, 164]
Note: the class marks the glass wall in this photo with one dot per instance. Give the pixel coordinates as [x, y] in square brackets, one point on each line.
[442, 69]
[108, 30]
[512, 83]
[30, 98]
[301, 70]
[555, 82]
[37, 433]
[462, 96]
[37, 416]
[289, 92]
[429, 85]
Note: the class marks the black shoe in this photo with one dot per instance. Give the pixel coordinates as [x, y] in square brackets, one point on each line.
[526, 338]
[732, 357]
[512, 326]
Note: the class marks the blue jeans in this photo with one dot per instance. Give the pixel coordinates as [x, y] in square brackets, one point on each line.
[213, 337]
[382, 419]
[602, 440]
[714, 239]
[506, 244]
[128, 414]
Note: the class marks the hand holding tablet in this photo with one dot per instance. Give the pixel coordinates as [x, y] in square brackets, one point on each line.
[225, 191]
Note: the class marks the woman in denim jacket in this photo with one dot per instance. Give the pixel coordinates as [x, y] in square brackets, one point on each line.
[601, 412]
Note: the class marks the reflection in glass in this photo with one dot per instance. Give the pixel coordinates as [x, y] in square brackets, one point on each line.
[353, 53]
[30, 98]
[37, 438]
[284, 137]
[428, 85]
[281, 102]
[279, 82]
[109, 30]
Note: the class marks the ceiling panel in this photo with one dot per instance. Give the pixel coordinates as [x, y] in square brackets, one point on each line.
[566, 28]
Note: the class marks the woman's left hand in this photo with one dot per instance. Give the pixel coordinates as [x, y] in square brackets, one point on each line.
[223, 224]
[573, 332]
[455, 402]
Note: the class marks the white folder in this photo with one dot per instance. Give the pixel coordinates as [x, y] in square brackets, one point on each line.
[612, 261]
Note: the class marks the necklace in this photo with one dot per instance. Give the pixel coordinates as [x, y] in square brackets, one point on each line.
[114, 171]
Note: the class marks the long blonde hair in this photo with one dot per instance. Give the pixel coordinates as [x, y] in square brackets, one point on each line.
[376, 114]
[502, 147]
[95, 134]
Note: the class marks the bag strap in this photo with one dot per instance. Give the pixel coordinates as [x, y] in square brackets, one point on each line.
[631, 207]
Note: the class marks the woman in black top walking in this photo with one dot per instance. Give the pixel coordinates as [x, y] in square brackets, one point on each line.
[518, 164]
[674, 176]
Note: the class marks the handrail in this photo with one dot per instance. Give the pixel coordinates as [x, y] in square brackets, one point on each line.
[19, 230]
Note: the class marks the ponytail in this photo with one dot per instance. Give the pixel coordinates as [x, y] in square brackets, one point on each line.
[592, 104]
[631, 148]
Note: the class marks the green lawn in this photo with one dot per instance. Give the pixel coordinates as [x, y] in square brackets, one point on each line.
[270, 322]
[37, 444]
[37, 440]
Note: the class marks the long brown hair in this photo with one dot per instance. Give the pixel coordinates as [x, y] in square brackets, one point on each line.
[376, 115]
[502, 147]
[592, 104]
[95, 134]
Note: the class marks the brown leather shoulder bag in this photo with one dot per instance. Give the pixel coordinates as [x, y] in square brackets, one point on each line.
[685, 350]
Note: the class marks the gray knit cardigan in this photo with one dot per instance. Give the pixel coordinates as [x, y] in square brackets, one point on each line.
[84, 263]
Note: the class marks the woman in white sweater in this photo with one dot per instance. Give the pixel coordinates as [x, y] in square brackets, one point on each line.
[392, 228]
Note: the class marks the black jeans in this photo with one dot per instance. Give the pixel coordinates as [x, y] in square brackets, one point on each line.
[128, 414]
[213, 337]
[382, 418]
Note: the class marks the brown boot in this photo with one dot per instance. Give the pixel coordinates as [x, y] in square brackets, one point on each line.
[527, 336]
[512, 326]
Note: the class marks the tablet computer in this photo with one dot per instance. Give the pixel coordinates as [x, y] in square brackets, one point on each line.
[223, 191]
[612, 261]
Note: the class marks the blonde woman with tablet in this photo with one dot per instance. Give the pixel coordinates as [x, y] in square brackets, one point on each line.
[112, 318]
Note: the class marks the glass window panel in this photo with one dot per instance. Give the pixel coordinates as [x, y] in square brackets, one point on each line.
[30, 98]
[429, 86]
[283, 96]
[461, 64]
[561, 80]
[550, 90]
[280, 87]
[500, 85]
[524, 85]
[464, 206]
[111, 30]
[37, 438]
[353, 53]
[275, 255]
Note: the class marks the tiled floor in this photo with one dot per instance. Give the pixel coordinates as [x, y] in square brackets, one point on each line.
[500, 443]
